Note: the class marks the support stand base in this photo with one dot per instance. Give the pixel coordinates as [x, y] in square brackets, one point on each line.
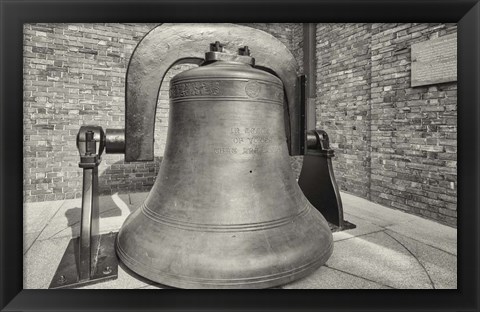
[105, 268]
[345, 226]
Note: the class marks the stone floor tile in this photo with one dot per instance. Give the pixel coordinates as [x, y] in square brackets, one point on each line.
[28, 240]
[363, 227]
[136, 199]
[67, 214]
[380, 258]
[372, 212]
[37, 215]
[412, 253]
[328, 278]
[440, 266]
[430, 233]
[41, 262]
[63, 226]
[66, 223]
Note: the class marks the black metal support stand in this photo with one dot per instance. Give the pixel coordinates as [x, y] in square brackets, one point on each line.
[317, 180]
[90, 258]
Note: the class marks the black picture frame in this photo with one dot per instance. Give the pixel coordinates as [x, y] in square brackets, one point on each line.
[14, 13]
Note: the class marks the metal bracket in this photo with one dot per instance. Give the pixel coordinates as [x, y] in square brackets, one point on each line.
[90, 258]
[317, 180]
[68, 274]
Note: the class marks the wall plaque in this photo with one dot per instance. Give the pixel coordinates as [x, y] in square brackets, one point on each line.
[434, 61]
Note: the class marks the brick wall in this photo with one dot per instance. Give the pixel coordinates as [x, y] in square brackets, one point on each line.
[395, 145]
[74, 74]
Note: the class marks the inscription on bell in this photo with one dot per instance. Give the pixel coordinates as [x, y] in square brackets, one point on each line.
[234, 89]
[225, 150]
[249, 141]
[195, 88]
[252, 140]
[250, 130]
[261, 150]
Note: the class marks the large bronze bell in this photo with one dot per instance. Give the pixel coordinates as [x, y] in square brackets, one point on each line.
[225, 210]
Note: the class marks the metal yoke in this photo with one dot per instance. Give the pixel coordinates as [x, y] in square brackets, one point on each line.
[171, 44]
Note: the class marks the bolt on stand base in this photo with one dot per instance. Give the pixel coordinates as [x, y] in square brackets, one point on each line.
[105, 267]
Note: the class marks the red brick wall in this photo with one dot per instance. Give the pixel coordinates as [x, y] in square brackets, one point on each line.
[74, 74]
[395, 145]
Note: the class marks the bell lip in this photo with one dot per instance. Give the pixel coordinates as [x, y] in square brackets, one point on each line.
[186, 282]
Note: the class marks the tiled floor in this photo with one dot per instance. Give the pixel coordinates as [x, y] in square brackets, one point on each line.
[388, 249]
